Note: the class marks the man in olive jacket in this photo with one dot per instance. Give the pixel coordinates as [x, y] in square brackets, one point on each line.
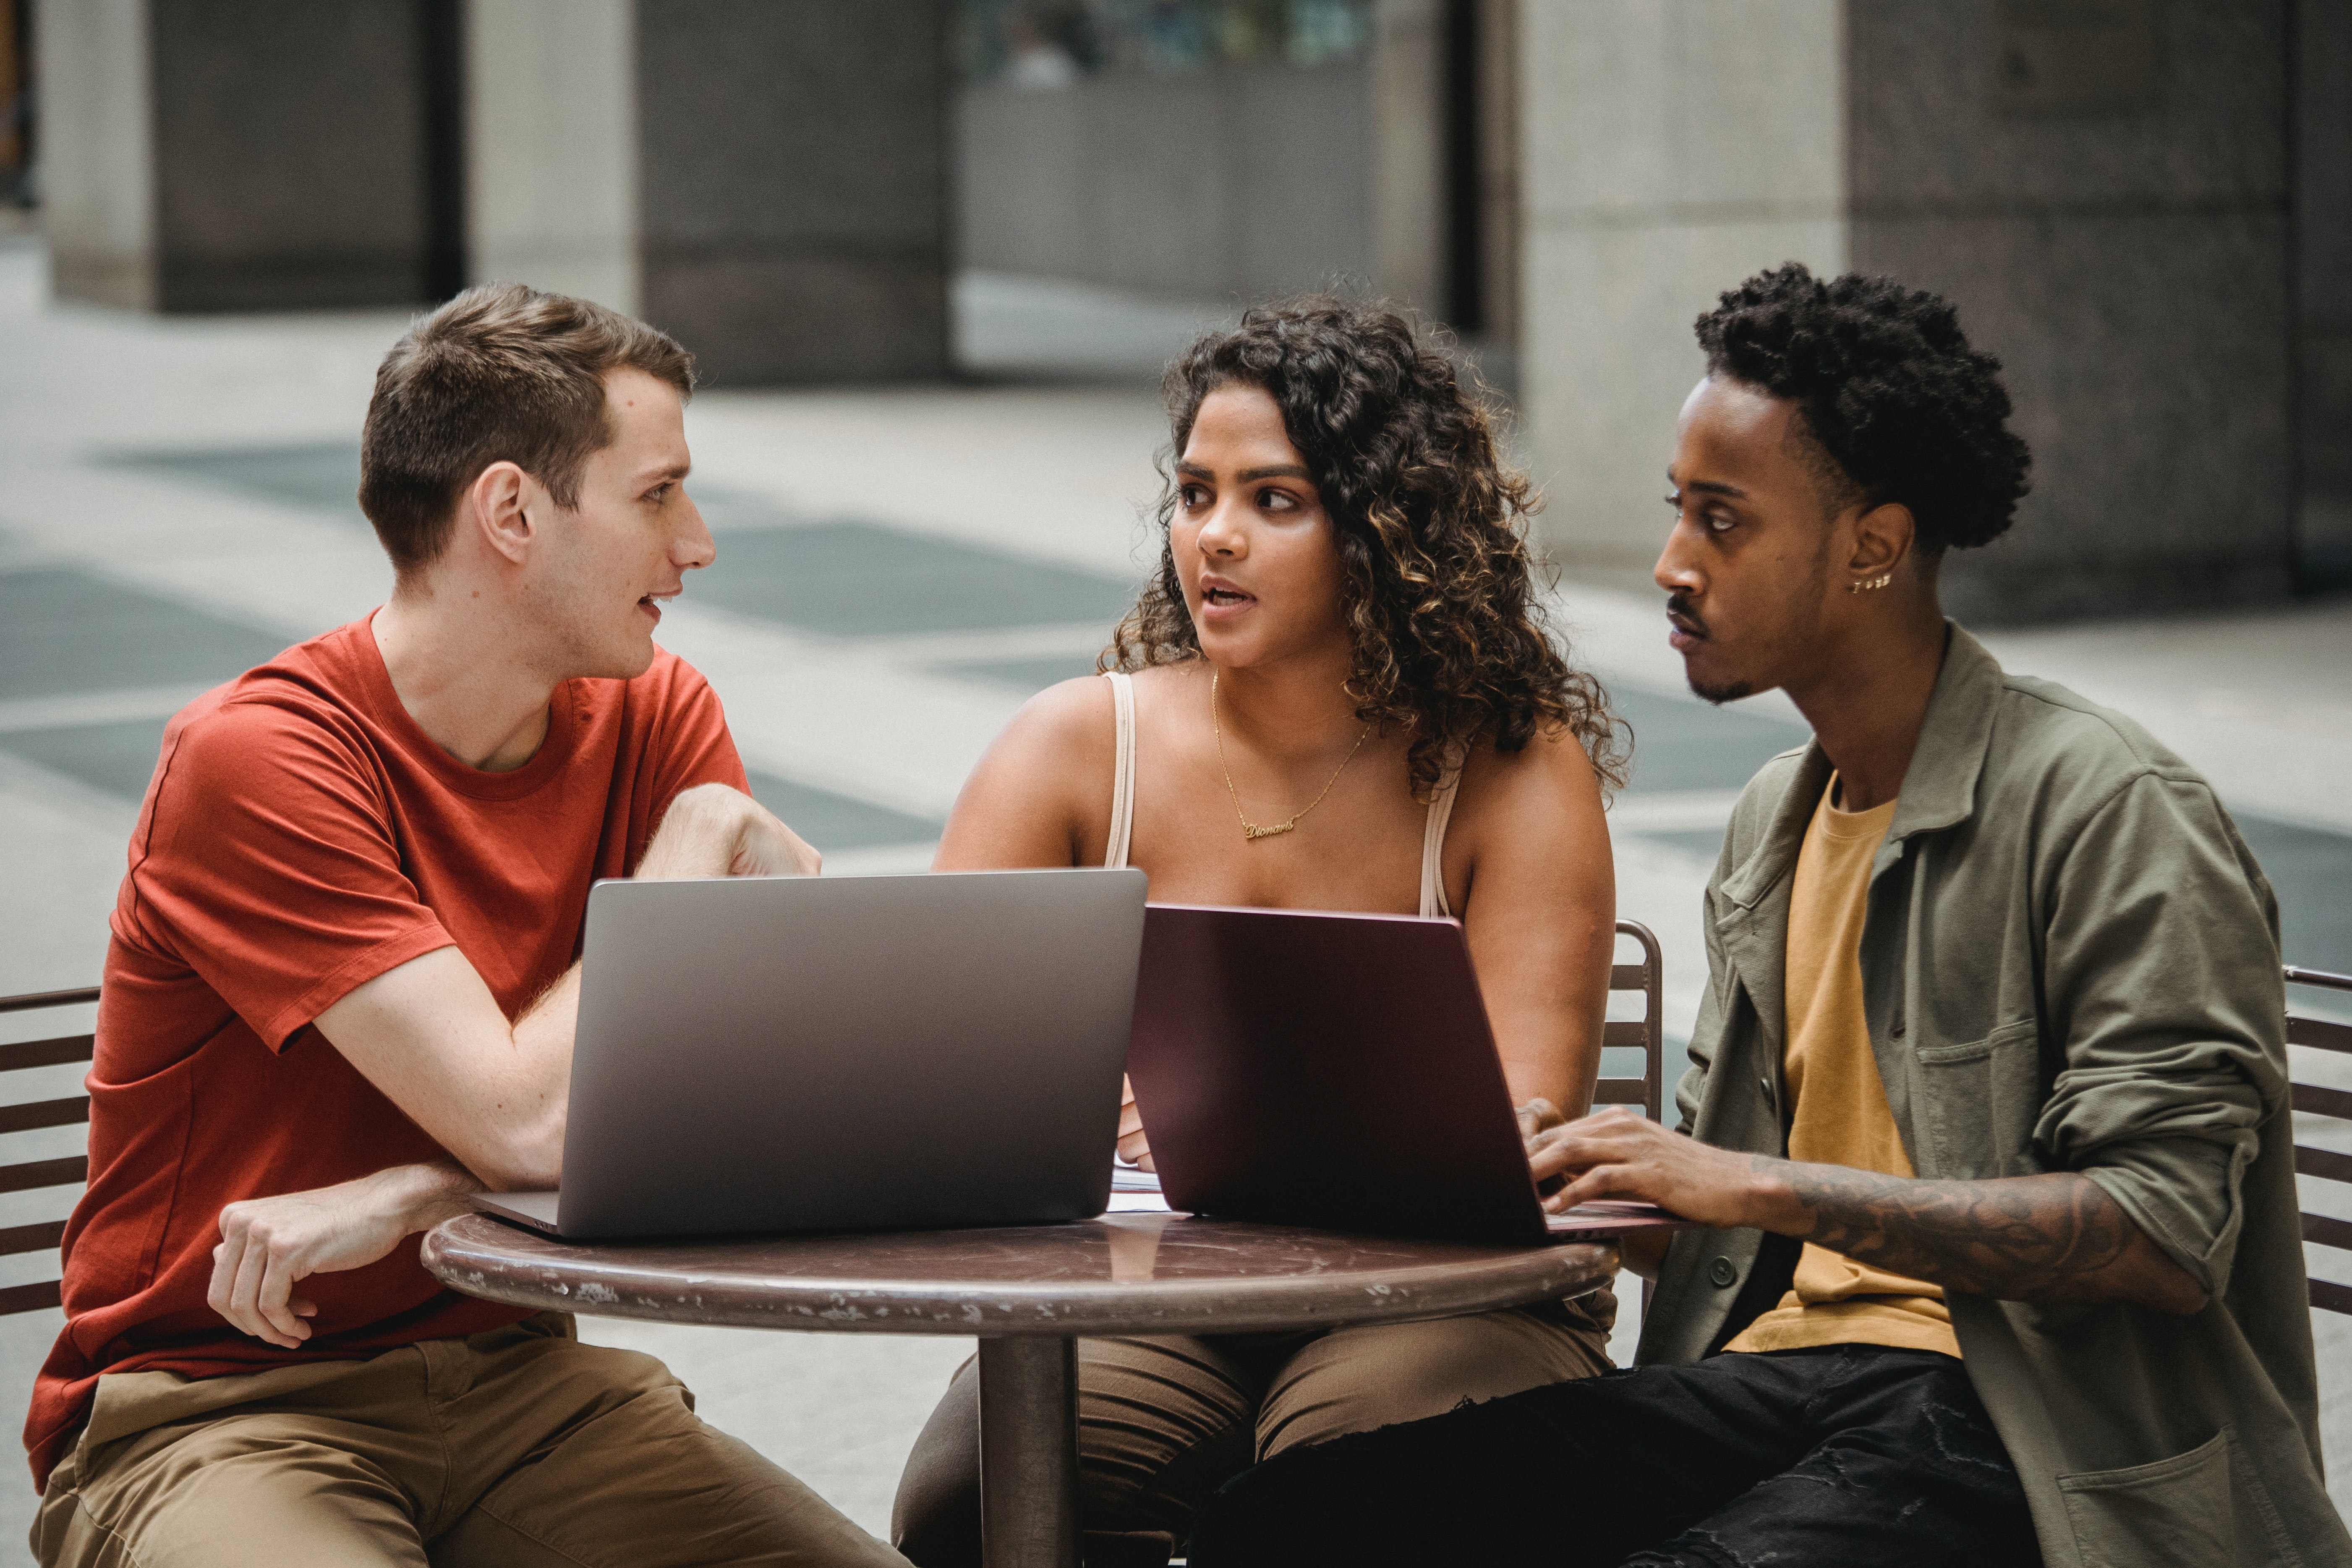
[1988, 1112]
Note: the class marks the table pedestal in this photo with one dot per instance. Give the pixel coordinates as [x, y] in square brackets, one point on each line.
[1029, 1453]
[1028, 1293]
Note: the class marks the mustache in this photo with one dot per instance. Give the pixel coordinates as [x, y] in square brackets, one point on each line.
[1677, 605]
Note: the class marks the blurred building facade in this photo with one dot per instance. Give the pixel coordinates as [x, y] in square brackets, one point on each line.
[2145, 206]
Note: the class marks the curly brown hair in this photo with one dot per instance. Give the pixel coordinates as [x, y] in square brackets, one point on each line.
[1450, 638]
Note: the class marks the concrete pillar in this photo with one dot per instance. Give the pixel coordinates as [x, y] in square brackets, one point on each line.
[1408, 183]
[1672, 147]
[794, 166]
[2323, 271]
[98, 156]
[2103, 191]
[764, 179]
[551, 147]
[240, 154]
[2100, 188]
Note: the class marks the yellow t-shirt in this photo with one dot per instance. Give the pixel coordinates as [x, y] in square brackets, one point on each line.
[1839, 1110]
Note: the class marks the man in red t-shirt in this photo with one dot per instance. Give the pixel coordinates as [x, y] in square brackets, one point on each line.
[341, 995]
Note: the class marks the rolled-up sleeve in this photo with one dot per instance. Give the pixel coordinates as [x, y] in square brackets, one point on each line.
[2163, 988]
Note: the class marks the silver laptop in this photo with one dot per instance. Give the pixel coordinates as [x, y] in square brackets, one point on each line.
[845, 1053]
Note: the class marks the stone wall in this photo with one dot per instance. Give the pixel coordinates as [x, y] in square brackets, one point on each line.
[1671, 148]
[2102, 186]
[237, 155]
[2122, 244]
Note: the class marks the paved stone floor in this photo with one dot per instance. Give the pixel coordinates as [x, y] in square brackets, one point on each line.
[898, 571]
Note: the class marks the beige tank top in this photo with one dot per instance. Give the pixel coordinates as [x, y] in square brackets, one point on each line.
[1122, 804]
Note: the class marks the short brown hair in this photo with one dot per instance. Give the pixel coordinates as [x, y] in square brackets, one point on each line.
[501, 374]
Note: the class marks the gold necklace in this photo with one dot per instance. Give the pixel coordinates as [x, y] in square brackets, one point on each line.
[1250, 829]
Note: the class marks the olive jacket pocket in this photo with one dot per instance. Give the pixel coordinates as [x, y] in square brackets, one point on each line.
[2182, 1511]
[1979, 1102]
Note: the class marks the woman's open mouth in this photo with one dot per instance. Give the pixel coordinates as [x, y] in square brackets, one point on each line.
[1220, 596]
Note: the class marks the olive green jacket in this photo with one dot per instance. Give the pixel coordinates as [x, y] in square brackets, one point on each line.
[2070, 963]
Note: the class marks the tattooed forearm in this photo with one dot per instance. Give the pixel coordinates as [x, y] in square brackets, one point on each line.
[2055, 1238]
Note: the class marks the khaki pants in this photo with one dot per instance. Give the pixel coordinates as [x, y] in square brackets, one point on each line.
[1164, 1422]
[518, 1447]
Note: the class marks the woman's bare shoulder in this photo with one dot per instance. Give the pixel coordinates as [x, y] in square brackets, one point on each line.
[1069, 721]
[1545, 790]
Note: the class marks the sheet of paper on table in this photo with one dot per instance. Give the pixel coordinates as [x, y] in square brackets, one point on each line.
[1135, 1191]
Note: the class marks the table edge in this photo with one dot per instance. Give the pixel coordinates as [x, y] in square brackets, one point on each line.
[1086, 1310]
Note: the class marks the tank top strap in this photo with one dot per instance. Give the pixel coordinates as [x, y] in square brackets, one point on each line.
[1432, 847]
[1122, 772]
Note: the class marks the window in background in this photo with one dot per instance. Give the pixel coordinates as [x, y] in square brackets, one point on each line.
[1051, 44]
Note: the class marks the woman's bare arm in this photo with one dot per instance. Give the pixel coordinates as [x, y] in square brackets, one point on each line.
[1040, 795]
[1539, 911]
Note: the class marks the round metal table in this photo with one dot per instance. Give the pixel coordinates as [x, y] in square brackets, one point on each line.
[1028, 1293]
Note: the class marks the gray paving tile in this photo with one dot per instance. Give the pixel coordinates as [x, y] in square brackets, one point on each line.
[64, 631]
[858, 578]
[119, 758]
[1706, 843]
[1685, 745]
[324, 476]
[116, 759]
[1023, 674]
[318, 476]
[2309, 871]
[832, 821]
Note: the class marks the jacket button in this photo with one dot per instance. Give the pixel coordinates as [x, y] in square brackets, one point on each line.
[1723, 1273]
[1766, 1085]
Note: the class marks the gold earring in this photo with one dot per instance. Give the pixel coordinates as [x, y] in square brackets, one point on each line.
[1878, 582]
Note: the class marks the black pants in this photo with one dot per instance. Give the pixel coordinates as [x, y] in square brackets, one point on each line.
[1849, 1454]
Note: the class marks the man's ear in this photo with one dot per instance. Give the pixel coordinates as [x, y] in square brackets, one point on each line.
[498, 505]
[1884, 537]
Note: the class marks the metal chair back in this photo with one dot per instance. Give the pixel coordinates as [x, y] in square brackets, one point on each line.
[1647, 1036]
[28, 1176]
[2325, 1113]
[1648, 1091]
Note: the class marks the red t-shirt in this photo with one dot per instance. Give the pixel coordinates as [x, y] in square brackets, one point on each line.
[303, 836]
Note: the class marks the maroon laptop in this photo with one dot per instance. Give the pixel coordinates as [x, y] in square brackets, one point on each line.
[1335, 1071]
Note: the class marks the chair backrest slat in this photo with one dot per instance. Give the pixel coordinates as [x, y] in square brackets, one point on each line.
[2321, 1101]
[2319, 1034]
[45, 1053]
[1625, 1035]
[17, 1239]
[2318, 1165]
[45, 1113]
[32, 1173]
[34, 1001]
[44, 1293]
[2326, 1232]
[2325, 1165]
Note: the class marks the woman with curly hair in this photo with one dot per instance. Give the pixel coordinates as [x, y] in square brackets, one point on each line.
[1337, 693]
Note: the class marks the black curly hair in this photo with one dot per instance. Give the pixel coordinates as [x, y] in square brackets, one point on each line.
[1891, 395]
[1437, 581]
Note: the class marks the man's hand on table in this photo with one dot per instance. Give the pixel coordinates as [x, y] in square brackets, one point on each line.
[269, 1244]
[711, 830]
